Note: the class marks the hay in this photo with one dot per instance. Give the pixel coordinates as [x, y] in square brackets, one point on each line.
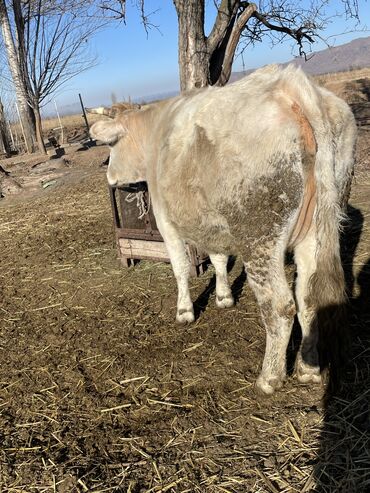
[100, 390]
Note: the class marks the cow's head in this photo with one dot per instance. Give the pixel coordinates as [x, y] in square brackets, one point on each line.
[122, 134]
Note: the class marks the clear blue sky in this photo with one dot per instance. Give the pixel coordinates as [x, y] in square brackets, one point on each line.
[132, 64]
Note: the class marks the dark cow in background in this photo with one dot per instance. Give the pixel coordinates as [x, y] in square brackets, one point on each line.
[253, 168]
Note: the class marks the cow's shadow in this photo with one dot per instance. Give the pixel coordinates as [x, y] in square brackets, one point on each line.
[343, 458]
[343, 463]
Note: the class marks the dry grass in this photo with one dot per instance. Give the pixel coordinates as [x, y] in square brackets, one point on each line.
[101, 391]
[352, 86]
[73, 125]
[346, 76]
[68, 121]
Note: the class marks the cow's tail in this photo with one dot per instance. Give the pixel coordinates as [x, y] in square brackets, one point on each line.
[332, 176]
[327, 290]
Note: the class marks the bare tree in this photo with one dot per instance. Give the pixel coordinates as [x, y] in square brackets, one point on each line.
[207, 60]
[19, 76]
[57, 50]
[51, 48]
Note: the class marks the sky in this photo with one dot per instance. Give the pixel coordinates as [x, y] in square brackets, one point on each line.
[132, 63]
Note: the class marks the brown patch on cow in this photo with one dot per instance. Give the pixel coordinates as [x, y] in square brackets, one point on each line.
[306, 212]
[254, 213]
[309, 147]
[307, 134]
[269, 313]
[259, 213]
[115, 110]
[119, 108]
[288, 311]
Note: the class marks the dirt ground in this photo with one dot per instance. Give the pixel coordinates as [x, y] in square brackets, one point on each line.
[100, 390]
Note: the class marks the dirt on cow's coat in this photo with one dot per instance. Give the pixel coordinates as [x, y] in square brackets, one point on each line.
[100, 389]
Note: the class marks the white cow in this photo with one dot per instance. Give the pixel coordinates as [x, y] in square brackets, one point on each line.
[252, 168]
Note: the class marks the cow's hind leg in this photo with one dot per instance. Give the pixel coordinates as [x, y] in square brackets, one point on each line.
[224, 298]
[308, 368]
[181, 268]
[267, 278]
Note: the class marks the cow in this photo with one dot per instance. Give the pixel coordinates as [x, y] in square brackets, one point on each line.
[254, 168]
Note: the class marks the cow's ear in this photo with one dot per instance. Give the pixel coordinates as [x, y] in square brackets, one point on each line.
[107, 131]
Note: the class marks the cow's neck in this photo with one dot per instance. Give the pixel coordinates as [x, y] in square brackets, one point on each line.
[141, 127]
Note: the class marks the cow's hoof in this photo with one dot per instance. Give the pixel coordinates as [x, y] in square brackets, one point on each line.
[224, 301]
[309, 375]
[267, 386]
[185, 316]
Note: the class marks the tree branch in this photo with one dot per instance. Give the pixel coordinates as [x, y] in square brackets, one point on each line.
[233, 41]
[225, 14]
[119, 13]
[297, 34]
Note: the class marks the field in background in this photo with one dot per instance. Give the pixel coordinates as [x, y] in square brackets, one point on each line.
[74, 129]
[347, 85]
[353, 86]
[345, 76]
[68, 121]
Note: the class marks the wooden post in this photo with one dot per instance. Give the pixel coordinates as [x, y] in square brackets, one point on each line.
[60, 124]
[85, 117]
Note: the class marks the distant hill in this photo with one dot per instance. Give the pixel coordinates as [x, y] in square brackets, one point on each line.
[348, 56]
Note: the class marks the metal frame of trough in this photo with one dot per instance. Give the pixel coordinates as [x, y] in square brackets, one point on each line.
[136, 232]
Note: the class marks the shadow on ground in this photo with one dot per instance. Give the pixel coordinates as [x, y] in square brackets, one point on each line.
[344, 453]
[344, 447]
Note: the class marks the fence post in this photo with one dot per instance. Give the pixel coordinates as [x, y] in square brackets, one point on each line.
[60, 123]
[85, 117]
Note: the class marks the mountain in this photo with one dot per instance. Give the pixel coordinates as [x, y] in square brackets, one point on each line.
[349, 56]
[352, 55]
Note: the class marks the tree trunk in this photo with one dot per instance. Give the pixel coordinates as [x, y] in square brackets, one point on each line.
[26, 112]
[208, 60]
[39, 134]
[4, 137]
[193, 52]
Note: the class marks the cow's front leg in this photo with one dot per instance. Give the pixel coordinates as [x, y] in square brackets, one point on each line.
[267, 278]
[181, 268]
[224, 298]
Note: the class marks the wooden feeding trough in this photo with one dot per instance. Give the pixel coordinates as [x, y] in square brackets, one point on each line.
[136, 231]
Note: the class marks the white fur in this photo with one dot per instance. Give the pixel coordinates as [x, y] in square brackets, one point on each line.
[224, 298]
[305, 258]
[245, 126]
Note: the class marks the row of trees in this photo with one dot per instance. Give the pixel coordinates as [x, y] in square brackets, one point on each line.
[46, 41]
